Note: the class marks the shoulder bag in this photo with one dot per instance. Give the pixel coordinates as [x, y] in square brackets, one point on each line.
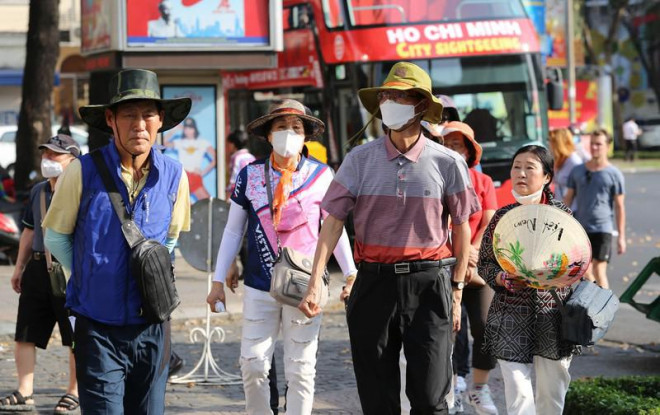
[150, 261]
[292, 270]
[55, 269]
[587, 314]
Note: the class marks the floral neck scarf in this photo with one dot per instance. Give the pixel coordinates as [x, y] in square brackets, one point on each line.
[283, 189]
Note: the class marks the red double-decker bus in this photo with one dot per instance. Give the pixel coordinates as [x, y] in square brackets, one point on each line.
[482, 53]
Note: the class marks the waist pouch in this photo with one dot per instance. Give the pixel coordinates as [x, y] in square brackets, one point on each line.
[151, 266]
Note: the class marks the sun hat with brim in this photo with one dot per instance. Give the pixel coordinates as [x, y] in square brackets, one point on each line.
[404, 76]
[131, 85]
[467, 132]
[63, 144]
[261, 126]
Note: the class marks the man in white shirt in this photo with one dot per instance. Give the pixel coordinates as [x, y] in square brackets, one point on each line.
[630, 133]
[164, 26]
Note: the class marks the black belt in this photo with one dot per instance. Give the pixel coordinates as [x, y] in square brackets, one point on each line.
[38, 256]
[405, 267]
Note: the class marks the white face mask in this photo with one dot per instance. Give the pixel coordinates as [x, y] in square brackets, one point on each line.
[287, 143]
[396, 115]
[529, 199]
[50, 168]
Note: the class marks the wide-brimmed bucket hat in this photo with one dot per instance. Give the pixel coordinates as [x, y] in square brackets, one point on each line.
[467, 132]
[261, 126]
[136, 84]
[404, 76]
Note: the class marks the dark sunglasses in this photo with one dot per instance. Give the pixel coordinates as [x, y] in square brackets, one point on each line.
[588, 176]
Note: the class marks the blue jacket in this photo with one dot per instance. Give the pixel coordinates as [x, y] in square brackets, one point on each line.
[101, 286]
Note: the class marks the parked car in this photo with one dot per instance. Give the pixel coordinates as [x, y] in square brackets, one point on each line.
[8, 144]
[650, 138]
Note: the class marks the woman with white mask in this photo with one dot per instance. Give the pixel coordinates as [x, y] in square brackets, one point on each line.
[523, 325]
[279, 200]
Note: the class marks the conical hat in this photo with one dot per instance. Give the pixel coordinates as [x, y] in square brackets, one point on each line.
[543, 245]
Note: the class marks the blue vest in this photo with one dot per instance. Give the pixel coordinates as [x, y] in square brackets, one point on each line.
[101, 286]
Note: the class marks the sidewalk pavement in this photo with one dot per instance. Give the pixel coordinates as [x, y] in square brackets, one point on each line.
[336, 391]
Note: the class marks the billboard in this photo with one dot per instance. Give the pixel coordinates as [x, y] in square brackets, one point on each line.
[184, 25]
[193, 142]
[98, 26]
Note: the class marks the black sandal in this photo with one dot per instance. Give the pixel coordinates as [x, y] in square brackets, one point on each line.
[69, 403]
[16, 402]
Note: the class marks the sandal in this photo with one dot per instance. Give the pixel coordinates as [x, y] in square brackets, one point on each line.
[16, 402]
[68, 404]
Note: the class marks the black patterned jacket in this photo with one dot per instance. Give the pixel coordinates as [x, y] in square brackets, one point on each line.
[525, 323]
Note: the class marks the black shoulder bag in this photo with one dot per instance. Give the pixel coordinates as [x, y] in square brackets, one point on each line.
[150, 261]
[55, 270]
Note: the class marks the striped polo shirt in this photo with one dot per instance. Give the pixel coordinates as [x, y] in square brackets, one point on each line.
[401, 203]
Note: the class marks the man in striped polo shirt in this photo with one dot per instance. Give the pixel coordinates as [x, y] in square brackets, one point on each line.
[402, 188]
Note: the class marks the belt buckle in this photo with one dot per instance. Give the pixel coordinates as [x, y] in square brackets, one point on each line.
[402, 268]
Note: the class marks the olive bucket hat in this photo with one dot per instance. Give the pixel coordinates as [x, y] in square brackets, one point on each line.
[404, 76]
[136, 84]
[261, 126]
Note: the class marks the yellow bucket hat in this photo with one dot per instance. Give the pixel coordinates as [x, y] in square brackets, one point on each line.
[404, 76]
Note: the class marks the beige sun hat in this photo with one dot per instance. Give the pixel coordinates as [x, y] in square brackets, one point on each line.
[404, 76]
[261, 126]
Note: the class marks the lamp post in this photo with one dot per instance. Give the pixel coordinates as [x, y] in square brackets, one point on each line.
[570, 61]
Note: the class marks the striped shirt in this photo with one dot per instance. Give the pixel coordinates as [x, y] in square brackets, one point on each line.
[401, 202]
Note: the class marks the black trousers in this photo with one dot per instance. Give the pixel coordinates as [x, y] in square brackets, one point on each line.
[476, 302]
[386, 311]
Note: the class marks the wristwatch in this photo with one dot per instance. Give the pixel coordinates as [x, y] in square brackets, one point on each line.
[459, 285]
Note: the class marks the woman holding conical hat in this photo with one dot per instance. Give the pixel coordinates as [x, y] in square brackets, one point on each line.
[523, 329]
[279, 200]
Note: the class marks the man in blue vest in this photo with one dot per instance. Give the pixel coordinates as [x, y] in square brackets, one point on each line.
[121, 359]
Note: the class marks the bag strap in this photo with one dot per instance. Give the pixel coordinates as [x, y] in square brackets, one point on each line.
[269, 191]
[129, 229]
[42, 206]
[560, 304]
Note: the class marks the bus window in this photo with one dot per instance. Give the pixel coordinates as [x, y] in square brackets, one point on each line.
[297, 17]
[498, 98]
[333, 13]
[393, 12]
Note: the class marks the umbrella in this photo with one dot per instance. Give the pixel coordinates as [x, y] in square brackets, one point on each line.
[543, 245]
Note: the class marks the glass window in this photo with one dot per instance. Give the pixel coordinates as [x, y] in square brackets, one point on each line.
[333, 13]
[8, 137]
[393, 12]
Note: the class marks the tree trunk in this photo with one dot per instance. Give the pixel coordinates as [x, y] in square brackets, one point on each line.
[42, 50]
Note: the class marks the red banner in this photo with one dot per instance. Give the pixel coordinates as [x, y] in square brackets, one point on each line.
[437, 40]
[586, 107]
[298, 65]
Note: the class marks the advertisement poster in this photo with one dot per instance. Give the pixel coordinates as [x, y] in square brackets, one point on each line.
[586, 107]
[215, 24]
[96, 25]
[193, 142]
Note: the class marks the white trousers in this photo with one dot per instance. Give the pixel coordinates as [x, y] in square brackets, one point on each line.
[552, 380]
[262, 319]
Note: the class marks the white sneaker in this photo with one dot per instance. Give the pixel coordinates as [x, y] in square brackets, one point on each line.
[461, 386]
[457, 407]
[482, 402]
